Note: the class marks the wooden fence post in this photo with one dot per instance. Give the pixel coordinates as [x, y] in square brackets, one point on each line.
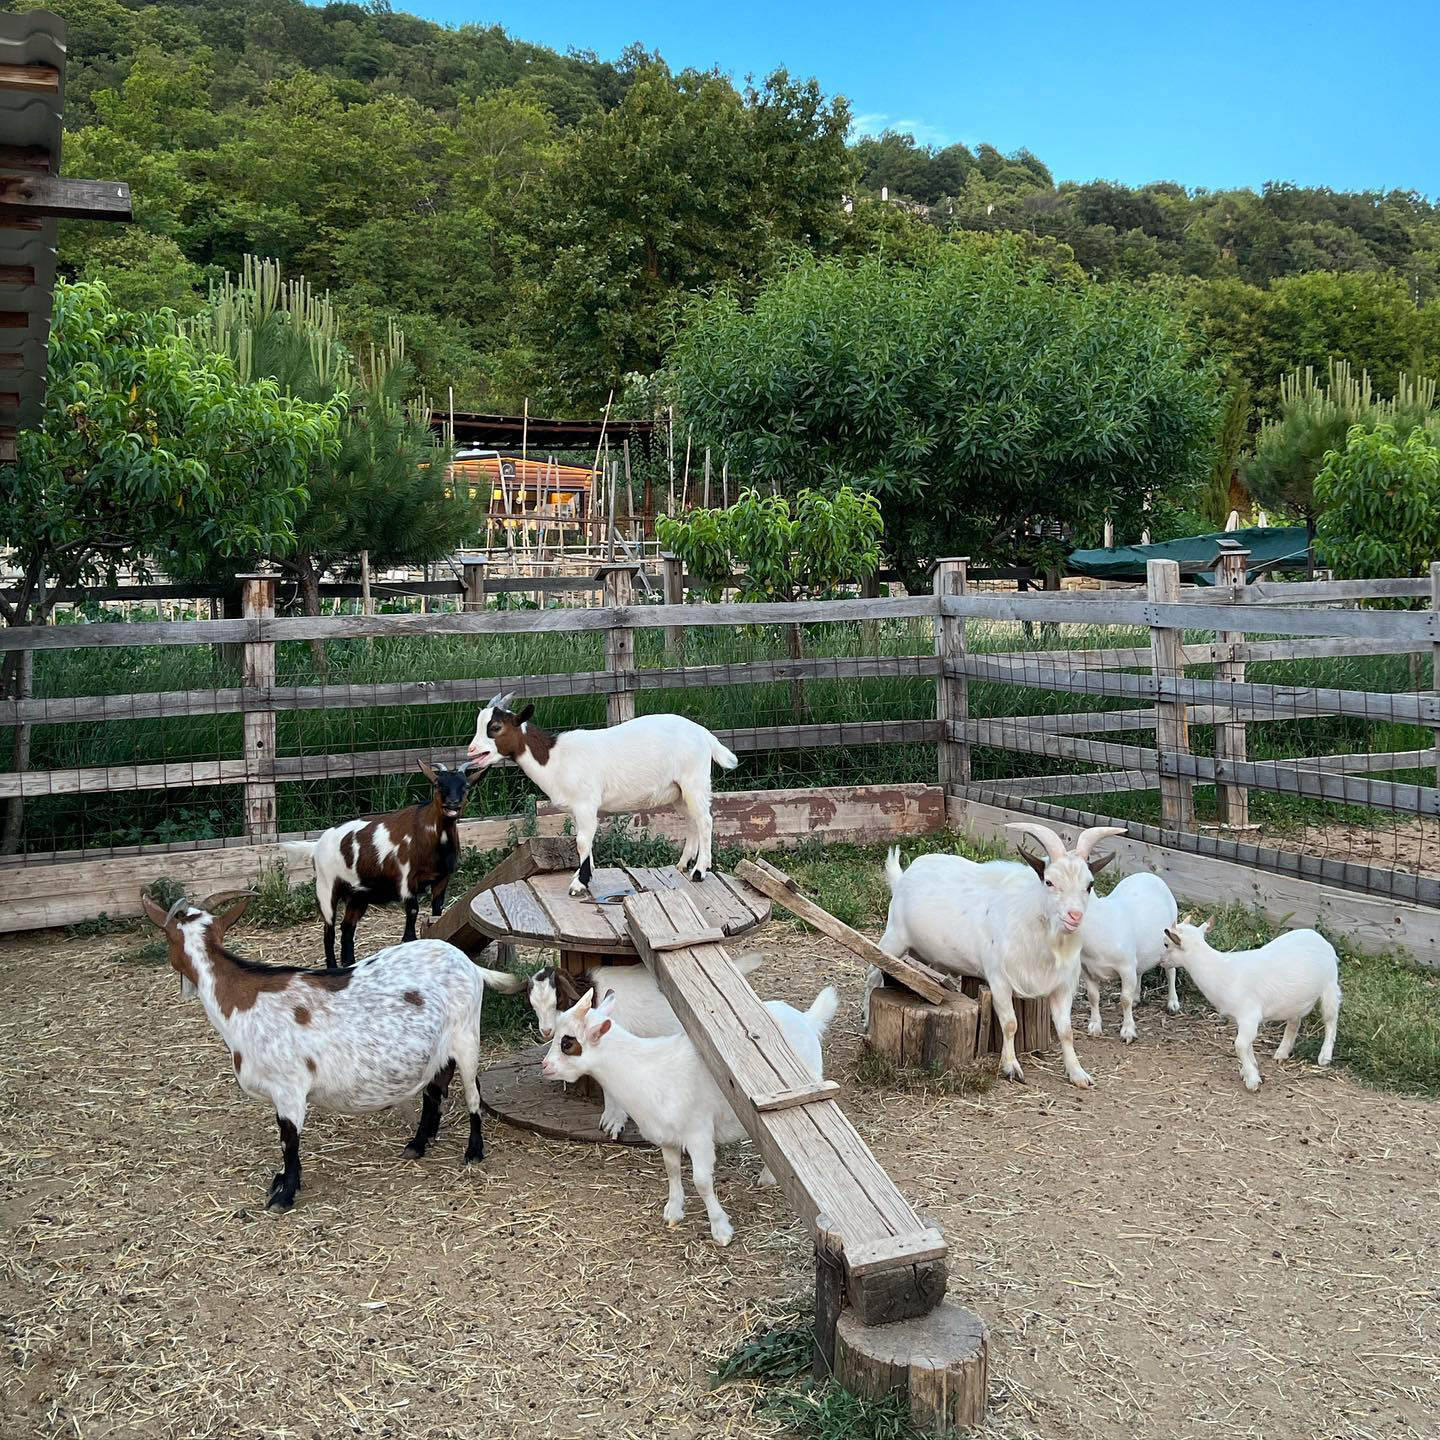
[257, 596]
[1233, 800]
[952, 693]
[1172, 735]
[473, 570]
[619, 583]
[674, 574]
[1435, 653]
[829, 1296]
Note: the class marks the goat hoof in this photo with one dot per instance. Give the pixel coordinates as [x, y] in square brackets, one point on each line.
[413, 1152]
[472, 1156]
[1173, 1007]
[281, 1196]
[1252, 1085]
[697, 876]
[722, 1235]
[1081, 1080]
[577, 890]
[1128, 1036]
[1013, 1072]
[1094, 1031]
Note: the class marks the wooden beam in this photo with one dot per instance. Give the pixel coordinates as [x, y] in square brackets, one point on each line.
[21, 275]
[800, 1095]
[54, 198]
[36, 158]
[912, 974]
[30, 79]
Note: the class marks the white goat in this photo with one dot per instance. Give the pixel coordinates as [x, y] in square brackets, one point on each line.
[664, 1084]
[1283, 980]
[1123, 938]
[639, 1007]
[350, 1040]
[998, 922]
[642, 764]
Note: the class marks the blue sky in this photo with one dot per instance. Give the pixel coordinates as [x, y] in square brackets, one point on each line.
[1212, 95]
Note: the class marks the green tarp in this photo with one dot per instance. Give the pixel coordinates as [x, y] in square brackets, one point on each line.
[1271, 548]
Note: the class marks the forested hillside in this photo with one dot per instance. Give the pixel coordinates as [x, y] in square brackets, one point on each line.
[534, 220]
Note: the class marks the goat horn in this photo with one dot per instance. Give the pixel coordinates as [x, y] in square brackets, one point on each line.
[1090, 838]
[175, 909]
[1054, 846]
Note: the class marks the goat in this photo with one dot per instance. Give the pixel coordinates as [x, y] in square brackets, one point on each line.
[400, 1022]
[641, 764]
[995, 921]
[1123, 938]
[639, 1006]
[666, 1087]
[1280, 981]
[386, 858]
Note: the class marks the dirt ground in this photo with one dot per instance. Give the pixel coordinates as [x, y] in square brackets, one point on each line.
[1164, 1256]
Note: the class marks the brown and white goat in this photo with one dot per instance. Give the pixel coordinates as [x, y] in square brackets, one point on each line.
[388, 858]
[400, 1022]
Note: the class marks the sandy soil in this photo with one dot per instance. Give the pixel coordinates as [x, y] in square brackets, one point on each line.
[1165, 1255]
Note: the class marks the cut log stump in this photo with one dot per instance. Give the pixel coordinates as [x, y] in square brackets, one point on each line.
[913, 1034]
[937, 1363]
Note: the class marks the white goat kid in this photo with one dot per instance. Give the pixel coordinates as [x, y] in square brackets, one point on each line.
[639, 1007]
[350, 1040]
[1123, 938]
[999, 922]
[665, 1086]
[642, 764]
[1283, 980]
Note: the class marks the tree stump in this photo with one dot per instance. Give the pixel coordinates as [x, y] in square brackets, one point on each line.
[912, 1033]
[937, 1362]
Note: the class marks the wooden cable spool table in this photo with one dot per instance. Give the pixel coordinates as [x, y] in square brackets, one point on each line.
[539, 913]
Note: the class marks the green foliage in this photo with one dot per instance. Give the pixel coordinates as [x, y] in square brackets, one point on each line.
[1315, 418]
[969, 394]
[1224, 492]
[778, 1348]
[830, 1413]
[149, 449]
[1379, 503]
[827, 541]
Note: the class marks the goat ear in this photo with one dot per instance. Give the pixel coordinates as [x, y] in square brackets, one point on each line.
[525, 714]
[1033, 861]
[1204, 925]
[1172, 937]
[598, 1031]
[153, 913]
[565, 987]
[428, 771]
[1100, 862]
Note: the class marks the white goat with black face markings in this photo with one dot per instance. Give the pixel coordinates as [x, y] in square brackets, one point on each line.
[1016, 930]
[668, 1090]
[349, 1040]
[641, 764]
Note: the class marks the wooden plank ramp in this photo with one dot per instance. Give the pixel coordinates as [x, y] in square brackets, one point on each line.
[912, 974]
[894, 1262]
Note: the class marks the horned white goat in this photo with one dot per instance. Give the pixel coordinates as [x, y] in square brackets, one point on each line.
[998, 921]
[361, 1038]
[1123, 938]
[641, 764]
[639, 1007]
[665, 1086]
[1283, 980]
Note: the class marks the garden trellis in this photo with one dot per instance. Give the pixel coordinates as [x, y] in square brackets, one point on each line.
[1273, 730]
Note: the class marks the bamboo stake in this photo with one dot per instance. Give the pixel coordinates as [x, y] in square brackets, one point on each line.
[707, 477]
[685, 492]
[670, 456]
[725, 483]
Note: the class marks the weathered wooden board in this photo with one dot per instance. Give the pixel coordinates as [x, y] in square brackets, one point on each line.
[779, 887]
[812, 1149]
[1370, 923]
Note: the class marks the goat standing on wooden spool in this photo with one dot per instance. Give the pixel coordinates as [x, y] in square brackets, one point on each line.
[643, 764]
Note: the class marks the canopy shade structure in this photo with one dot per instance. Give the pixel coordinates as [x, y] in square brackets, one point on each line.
[33, 199]
[1273, 547]
[510, 432]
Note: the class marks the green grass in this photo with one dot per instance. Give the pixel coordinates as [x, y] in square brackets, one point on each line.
[830, 1413]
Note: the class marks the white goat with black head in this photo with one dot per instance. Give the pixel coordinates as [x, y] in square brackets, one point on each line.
[641, 764]
[365, 1037]
[1014, 926]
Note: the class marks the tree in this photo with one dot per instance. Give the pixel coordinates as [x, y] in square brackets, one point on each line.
[149, 451]
[1379, 502]
[1314, 419]
[970, 394]
[384, 491]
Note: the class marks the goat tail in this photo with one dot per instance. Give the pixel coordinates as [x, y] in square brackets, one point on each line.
[893, 872]
[822, 1011]
[725, 759]
[502, 981]
[299, 849]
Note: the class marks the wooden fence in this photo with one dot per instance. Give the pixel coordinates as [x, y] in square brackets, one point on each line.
[52, 887]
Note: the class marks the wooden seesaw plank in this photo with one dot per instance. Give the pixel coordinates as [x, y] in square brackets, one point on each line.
[821, 1163]
[913, 975]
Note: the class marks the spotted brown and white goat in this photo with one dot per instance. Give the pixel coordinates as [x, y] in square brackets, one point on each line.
[388, 859]
[641, 764]
[402, 1021]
